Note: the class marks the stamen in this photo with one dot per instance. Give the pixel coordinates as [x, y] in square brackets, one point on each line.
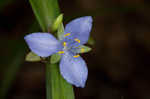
[60, 52]
[77, 40]
[76, 56]
[67, 34]
[82, 50]
[64, 44]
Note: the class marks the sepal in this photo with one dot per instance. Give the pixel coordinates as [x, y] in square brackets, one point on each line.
[57, 23]
[55, 58]
[60, 32]
[84, 49]
[32, 57]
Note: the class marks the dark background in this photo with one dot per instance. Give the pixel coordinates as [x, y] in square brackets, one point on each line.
[119, 66]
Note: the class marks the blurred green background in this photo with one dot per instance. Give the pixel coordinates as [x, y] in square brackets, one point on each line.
[118, 64]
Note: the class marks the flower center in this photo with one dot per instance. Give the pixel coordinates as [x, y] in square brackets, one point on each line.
[70, 44]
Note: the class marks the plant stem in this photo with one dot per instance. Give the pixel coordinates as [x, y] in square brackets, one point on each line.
[56, 86]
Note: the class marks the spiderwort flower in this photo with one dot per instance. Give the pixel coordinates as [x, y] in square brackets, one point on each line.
[72, 67]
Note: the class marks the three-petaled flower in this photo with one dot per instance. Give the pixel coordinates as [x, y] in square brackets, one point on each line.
[72, 67]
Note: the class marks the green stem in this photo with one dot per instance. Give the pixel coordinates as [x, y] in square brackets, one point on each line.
[56, 86]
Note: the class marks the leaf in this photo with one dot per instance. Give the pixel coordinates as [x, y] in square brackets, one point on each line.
[32, 57]
[45, 11]
[55, 58]
[84, 49]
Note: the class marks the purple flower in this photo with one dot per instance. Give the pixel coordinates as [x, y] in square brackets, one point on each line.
[72, 67]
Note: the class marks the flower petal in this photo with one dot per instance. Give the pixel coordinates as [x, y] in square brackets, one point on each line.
[42, 44]
[80, 28]
[74, 70]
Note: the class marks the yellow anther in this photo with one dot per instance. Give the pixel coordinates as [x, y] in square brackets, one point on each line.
[67, 34]
[82, 50]
[77, 40]
[60, 52]
[64, 44]
[76, 56]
